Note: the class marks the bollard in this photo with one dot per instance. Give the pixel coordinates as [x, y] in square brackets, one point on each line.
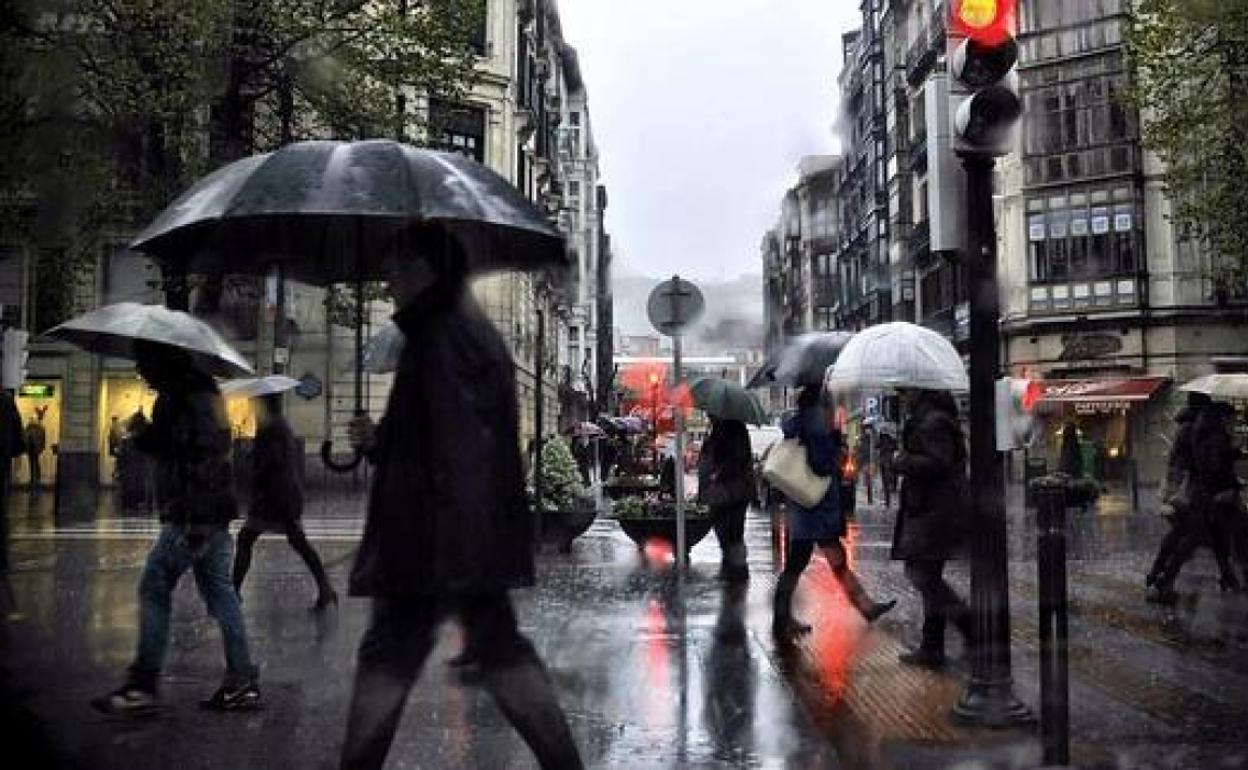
[1052, 495]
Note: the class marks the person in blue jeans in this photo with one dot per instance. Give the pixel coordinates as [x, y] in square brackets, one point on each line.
[189, 440]
[822, 526]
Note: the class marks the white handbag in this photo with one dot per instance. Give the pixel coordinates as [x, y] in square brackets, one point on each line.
[787, 470]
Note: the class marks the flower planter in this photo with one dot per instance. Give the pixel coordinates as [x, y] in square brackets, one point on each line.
[620, 488]
[643, 530]
[561, 527]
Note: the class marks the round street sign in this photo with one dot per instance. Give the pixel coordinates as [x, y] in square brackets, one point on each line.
[674, 305]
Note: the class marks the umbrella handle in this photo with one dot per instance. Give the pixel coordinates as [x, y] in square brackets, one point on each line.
[327, 457]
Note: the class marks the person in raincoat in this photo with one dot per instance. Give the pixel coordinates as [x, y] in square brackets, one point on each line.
[277, 500]
[822, 526]
[886, 450]
[1070, 460]
[1214, 491]
[449, 531]
[189, 440]
[726, 485]
[932, 520]
[1176, 492]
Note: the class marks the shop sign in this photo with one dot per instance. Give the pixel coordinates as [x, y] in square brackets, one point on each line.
[1101, 407]
[1082, 346]
[36, 391]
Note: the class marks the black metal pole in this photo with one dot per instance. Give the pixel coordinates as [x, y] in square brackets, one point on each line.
[539, 412]
[989, 699]
[1054, 652]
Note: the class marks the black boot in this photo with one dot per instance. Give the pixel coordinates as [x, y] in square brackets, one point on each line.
[783, 625]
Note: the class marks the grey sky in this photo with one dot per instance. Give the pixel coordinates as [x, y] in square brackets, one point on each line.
[702, 109]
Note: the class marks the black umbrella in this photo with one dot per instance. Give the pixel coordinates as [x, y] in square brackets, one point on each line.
[328, 212]
[803, 361]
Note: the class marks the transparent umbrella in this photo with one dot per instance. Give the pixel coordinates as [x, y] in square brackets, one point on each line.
[255, 387]
[114, 330]
[1221, 386]
[898, 355]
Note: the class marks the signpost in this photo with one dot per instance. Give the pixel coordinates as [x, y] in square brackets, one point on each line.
[674, 305]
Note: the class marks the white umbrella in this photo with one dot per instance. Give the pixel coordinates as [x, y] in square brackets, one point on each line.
[255, 387]
[898, 355]
[382, 353]
[1220, 386]
[113, 330]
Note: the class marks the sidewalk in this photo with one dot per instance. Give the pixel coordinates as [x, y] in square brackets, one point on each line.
[652, 673]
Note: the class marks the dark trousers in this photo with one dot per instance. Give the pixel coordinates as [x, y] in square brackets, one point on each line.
[1207, 524]
[394, 648]
[799, 555]
[297, 539]
[941, 605]
[730, 531]
[36, 468]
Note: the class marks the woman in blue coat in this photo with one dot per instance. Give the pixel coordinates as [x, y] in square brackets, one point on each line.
[821, 526]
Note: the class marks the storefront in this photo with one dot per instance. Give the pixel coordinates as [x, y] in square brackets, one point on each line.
[126, 402]
[1103, 413]
[39, 404]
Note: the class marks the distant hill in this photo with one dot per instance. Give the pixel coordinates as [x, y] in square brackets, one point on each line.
[734, 310]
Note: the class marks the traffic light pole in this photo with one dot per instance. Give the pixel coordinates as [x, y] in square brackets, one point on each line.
[989, 699]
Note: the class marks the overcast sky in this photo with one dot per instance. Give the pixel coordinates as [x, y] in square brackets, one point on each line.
[701, 110]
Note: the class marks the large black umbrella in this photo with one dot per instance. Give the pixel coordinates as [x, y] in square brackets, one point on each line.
[803, 361]
[327, 212]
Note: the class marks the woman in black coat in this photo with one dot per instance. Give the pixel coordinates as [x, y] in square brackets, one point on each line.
[726, 484]
[933, 517]
[277, 500]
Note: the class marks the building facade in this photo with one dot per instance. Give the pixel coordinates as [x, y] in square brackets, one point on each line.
[527, 118]
[1101, 297]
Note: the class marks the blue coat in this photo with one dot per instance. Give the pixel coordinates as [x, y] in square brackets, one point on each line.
[823, 452]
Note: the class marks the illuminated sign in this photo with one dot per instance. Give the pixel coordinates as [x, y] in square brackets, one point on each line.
[36, 391]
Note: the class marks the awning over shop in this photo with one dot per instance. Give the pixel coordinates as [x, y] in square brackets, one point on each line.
[1101, 394]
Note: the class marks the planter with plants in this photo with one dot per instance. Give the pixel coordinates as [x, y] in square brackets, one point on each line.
[620, 487]
[648, 517]
[567, 510]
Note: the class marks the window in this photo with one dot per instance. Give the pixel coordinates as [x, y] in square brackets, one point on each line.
[458, 128]
[1080, 237]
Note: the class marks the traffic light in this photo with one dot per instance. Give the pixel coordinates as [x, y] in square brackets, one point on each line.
[13, 372]
[982, 55]
[1016, 405]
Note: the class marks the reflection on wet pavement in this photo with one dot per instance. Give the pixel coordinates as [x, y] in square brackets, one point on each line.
[653, 671]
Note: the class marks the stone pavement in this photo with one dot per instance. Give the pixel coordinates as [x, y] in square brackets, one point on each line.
[652, 672]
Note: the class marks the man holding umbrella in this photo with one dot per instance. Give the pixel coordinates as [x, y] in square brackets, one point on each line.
[448, 530]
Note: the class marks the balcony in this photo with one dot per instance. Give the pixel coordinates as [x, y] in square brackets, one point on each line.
[1085, 295]
[920, 240]
[918, 153]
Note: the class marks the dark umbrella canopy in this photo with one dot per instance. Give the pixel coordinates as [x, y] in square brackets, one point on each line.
[328, 211]
[803, 361]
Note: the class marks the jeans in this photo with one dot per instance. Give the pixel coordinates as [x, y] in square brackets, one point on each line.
[394, 649]
[168, 560]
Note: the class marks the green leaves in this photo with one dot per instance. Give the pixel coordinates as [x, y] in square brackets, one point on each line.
[1189, 61]
[561, 478]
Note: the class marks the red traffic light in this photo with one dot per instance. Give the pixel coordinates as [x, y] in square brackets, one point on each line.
[989, 22]
[1032, 393]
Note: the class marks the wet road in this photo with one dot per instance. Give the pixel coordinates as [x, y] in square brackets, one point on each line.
[652, 673]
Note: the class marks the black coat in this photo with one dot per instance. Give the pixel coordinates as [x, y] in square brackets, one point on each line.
[726, 462]
[276, 490]
[934, 513]
[189, 440]
[447, 512]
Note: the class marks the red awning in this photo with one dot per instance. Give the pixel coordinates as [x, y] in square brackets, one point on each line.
[1092, 391]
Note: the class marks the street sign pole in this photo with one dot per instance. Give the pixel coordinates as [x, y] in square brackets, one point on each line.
[672, 307]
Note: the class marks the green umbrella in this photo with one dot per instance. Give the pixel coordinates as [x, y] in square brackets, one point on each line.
[727, 401]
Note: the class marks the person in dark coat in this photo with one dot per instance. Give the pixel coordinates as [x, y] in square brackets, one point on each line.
[449, 531]
[11, 446]
[277, 500]
[1175, 494]
[862, 458]
[726, 485]
[1213, 489]
[36, 443]
[189, 438]
[932, 520]
[1070, 461]
[822, 526]
[887, 450]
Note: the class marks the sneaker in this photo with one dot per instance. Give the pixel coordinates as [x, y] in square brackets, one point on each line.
[878, 609]
[923, 658]
[127, 702]
[234, 696]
